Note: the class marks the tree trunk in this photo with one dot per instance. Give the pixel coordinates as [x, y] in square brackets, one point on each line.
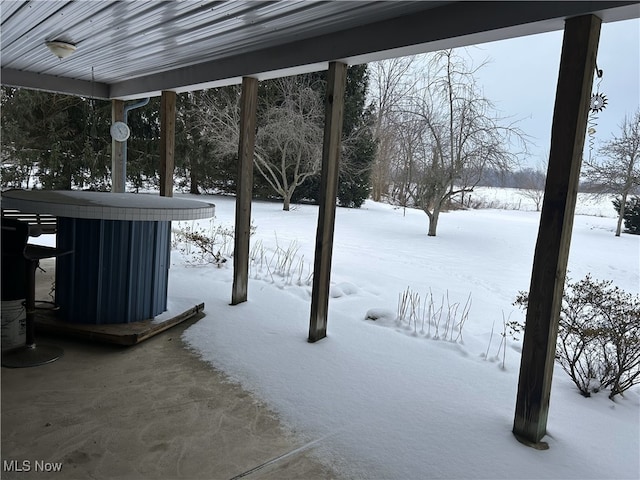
[66, 176]
[623, 204]
[375, 190]
[193, 183]
[286, 203]
[433, 222]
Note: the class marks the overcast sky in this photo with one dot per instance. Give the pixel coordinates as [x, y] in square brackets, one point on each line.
[522, 75]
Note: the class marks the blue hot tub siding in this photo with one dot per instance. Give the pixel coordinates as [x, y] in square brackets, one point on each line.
[118, 272]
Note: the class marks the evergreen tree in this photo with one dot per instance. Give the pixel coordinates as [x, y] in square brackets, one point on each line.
[17, 160]
[631, 214]
[54, 137]
[143, 146]
[355, 173]
[189, 146]
[354, 182]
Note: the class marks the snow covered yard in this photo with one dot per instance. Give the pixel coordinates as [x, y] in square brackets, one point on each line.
[379, 400]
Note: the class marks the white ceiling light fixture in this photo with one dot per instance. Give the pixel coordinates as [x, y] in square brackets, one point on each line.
[60, 48]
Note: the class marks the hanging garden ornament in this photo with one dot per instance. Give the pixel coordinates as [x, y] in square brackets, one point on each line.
[598, 102]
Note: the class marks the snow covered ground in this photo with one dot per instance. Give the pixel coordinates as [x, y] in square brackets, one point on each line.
[378, 400]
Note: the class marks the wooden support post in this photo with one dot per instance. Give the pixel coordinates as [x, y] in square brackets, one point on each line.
[244, 189]
[577, 64]
[117, 149]
[334, 112]
[167, 142]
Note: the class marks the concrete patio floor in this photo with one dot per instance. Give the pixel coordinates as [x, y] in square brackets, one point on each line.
[152, 411]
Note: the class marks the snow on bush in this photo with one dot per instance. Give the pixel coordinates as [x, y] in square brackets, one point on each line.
[598, 336]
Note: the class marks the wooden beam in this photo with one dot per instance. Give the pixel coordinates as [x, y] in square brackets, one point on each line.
[117, 149]
[244, 189]
[334, 112]
[167, 142]
[577, 64]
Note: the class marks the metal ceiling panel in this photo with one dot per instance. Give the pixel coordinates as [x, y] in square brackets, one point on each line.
[190, 41]
[272, 25]
[18, 46]
[26, 18]
[133, 48]
[139, 38]
[8, 8]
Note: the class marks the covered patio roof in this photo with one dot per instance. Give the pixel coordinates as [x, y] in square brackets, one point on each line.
[128, 50]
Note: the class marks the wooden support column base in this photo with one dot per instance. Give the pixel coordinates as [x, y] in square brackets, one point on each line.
[529, 443]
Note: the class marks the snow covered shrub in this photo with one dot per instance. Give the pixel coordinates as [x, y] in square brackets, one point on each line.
[598, 336]
[201, 247]
[631, 214]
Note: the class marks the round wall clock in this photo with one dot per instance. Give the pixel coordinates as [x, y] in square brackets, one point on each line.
[120, 131]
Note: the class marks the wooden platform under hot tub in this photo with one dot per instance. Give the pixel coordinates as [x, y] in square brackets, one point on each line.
[132, 333]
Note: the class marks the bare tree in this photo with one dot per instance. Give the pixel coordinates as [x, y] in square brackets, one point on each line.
[409, 159]
[461, 136]
[216, 113]
[533, 184]
[391, 82]
[289, 138]
[289, 143]
[619, 172]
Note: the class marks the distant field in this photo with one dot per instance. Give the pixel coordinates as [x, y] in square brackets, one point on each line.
[515, 199]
